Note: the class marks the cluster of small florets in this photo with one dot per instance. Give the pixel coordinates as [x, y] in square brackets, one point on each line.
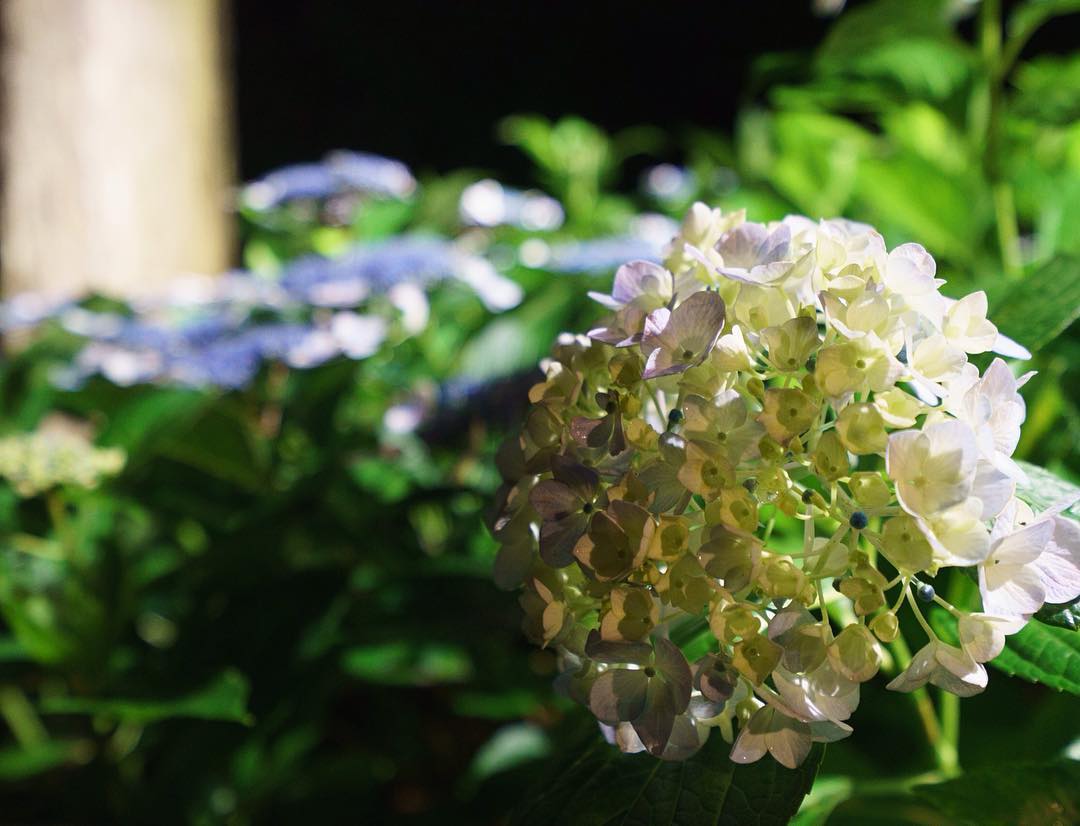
[796, 368]
[49, 457]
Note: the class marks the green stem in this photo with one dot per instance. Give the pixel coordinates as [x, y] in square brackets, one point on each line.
[944, 751]
[1001, 191]
[61, 524]
[21, 717]
[950, 730]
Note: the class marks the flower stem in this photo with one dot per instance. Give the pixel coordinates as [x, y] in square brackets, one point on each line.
[944, 749]
[20, 717]
[1001, 191]
[950, 730]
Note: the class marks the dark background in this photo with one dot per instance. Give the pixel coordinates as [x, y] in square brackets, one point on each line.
[427, 81]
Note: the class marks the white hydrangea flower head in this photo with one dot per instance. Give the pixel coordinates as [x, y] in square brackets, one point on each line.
[796, 370]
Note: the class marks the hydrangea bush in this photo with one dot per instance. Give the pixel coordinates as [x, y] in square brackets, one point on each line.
[796, 370]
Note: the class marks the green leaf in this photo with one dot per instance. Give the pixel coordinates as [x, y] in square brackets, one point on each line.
[602, 786]
[224, 698]
[1043, 654]
[1037, 309]
[1032, 14]
[404, 662]
[1063, 616]
[1043, 488]
[137, 424]
[517, 339]
[1004, 795]
[884, 810]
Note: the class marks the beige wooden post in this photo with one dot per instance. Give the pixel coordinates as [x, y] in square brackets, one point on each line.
[116, 138]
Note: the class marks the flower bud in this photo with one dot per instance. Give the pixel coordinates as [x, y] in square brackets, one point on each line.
[854, 653]
[791, 343]
[779, 578]
[885, 626]
[755, 657]
[861, 429]
[631, 615]
[671, 538]
[830, 457]
[733, 621]
[787, 413]
[735, 508]
[730, 556]
[684, 585]
[870, 489]
[864, 595]
[905, 546]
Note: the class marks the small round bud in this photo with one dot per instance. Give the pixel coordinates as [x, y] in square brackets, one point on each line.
[925, 592]
[750, 484]
[858, 520]
[674, 417]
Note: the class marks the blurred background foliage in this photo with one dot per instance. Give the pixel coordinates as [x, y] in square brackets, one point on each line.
[280, 608]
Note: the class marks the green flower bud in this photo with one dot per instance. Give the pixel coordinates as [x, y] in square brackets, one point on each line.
[830, 457]
[730, 556]
[684, 585]
[870, 489]
[735, 508]
[791, 343]
[787, 413]
[886, 627]
[780, 578]
[756, 657]
[854, 653]
[861, 429]
[905, 546]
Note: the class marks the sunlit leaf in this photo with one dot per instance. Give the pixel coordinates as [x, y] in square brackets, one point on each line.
[1042, 306]
[1043, 654]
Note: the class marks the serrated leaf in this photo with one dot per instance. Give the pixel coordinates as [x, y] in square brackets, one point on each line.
[1037, 309]
[224, 698]
[1004, 795]
[1043, 654]
[603, 787]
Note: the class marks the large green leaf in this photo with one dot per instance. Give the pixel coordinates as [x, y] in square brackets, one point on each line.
[602, 786]
[998, 795]
[1005, 795]
[1037, 309]
[224, 698]
[1043, 654]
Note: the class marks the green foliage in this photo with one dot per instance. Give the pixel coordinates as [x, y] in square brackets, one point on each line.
[1044, 654]
[1037, 323]
[279, 611]
[224, 698]
[597, 784]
